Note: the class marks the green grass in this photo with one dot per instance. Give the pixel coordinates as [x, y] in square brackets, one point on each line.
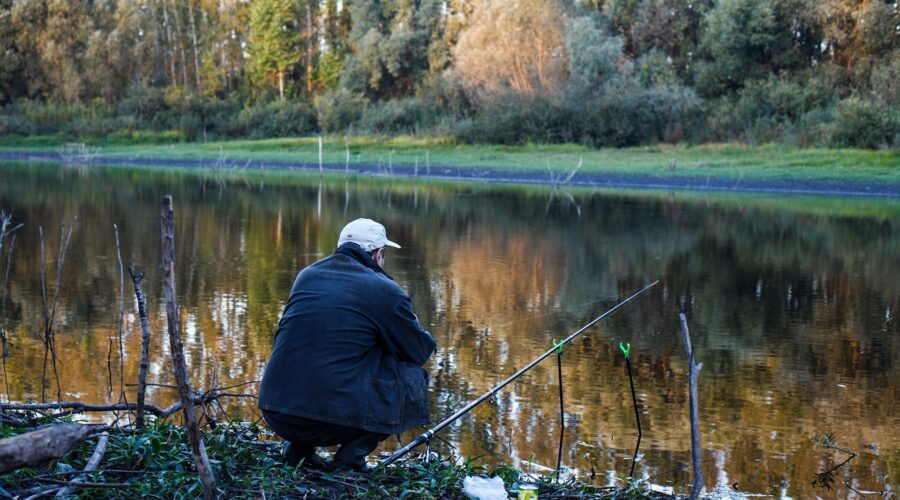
[722, 161]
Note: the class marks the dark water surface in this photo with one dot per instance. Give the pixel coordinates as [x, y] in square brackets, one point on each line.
[792, 303]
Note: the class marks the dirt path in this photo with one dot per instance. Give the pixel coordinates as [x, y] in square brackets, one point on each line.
[481, 174]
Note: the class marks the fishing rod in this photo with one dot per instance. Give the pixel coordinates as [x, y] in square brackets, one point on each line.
[427, 435]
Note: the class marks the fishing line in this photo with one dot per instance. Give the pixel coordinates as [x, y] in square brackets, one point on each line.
[551, 313]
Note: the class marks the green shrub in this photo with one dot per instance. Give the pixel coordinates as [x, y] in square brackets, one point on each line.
[12, 124]
[97, 127]
[338, 110]
[865, 123]
[146, 137]
[404, 116]
[277, 119]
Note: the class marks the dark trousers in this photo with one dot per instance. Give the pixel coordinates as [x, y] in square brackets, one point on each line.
[304, 435]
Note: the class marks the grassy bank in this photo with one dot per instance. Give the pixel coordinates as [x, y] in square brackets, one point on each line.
[726, 161]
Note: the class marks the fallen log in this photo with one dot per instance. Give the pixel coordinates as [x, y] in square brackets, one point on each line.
[41, 445]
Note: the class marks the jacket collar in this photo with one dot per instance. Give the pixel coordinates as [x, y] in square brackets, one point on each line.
[354, 251]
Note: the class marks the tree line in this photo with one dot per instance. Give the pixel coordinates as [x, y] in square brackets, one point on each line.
[597, 72]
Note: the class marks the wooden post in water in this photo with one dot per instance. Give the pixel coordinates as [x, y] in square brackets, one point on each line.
[145, 346]
[207, 480]
[693, 374]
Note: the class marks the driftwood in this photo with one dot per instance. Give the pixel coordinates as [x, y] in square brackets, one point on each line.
[91, 466]
[207, 480]
[693, 375]
[41, 445]
[145, 345]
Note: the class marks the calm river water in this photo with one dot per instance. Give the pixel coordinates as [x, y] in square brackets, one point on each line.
[792, 304]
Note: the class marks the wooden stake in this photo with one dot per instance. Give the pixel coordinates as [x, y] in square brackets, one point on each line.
[207, 480]
[693, 374]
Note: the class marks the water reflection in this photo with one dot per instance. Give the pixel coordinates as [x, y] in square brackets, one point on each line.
[792, 305]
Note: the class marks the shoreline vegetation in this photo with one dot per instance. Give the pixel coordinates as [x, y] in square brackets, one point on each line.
[715, 167]
[156, 463]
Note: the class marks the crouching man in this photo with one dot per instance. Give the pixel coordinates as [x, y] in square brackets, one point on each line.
[346, 366]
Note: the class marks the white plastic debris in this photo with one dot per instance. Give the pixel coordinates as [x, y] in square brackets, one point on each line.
[480, 488]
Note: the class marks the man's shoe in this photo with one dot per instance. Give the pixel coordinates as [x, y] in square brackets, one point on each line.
[310, 460]
[358, 467]
[316, 462]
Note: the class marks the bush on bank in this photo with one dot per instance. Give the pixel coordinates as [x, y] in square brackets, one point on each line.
[802, 113]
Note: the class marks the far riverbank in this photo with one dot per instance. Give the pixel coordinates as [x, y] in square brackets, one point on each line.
[704, 168]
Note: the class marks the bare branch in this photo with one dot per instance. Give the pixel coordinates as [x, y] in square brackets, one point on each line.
[91, 466]
[207, 480]
[145, 345]
[693, 375]
[120, 319]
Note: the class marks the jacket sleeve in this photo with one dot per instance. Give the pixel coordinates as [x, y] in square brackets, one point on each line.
[404, 338]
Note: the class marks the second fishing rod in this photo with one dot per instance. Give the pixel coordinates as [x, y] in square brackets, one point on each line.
[427, 435]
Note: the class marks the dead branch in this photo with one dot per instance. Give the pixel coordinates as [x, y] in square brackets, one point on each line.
[693, 375]
[91, 466]
[4, 348]
[145, 345]
[79, 407]
[50, 307]
[81, 484]
[207, 480]
[41, 445]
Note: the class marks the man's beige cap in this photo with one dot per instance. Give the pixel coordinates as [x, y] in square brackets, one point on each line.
[366, 233]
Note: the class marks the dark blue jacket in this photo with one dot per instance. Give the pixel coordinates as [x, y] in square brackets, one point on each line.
[348, 349]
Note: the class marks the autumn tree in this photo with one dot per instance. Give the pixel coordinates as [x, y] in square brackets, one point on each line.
[513, 44]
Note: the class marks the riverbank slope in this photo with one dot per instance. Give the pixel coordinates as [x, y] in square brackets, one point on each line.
[727, 167]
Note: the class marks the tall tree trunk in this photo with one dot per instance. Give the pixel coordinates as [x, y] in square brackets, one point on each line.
[159, 65]
[178, 33]
[281, 84]
[223, 45]
[169, 56]
[194, 41]
[310, 47]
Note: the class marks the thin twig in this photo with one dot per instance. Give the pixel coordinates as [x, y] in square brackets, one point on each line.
[86, 485]
[46, 312]
[162, 413]
[49, 307]
[121, 319]
[4, 350]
